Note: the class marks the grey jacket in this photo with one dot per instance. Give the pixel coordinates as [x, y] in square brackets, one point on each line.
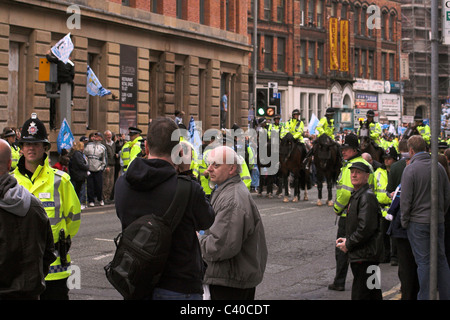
[234, 248]
[415, 201]
[97, 156]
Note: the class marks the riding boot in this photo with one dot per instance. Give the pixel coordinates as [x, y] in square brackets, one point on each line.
[308, 154]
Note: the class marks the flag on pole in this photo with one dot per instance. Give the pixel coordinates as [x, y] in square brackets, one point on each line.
[65, 137]
[313, 124]
[195, 139]
[63, 48]
[94, 87]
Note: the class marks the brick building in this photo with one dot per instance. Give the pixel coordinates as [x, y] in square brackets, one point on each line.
[179, 55]
[364, 56]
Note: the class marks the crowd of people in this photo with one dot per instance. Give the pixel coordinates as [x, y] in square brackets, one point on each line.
[383, 215]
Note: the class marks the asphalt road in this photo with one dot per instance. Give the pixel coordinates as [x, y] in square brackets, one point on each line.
[300, 238]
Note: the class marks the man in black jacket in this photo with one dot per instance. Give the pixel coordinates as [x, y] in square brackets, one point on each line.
[148, 186]
[26, 240]
[363, 241]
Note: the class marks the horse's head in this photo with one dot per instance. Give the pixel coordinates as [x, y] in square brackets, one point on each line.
[324, 151]
[364, 129]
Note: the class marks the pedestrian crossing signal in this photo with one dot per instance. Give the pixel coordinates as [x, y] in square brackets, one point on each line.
[270, 111]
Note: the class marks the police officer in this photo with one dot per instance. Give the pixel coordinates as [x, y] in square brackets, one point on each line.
[325, 126]
[294, 126]
[132, 148]
[275, 126]
[423, 129]
[351, 154]
[9, 134]
[374, 127]
[54, 189]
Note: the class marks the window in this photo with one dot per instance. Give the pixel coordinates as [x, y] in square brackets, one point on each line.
[391, 67]
[371, 66]
[383, 66]
[363, 63]
[180, 9]
[302, 12]
[319, 63]
[357, 63]
[356, 20]
[319, 13]
[333, 9]
[303, 57]
[280, 54]
[310, 13]
[267, 9]
[311, 49]
[383, 26]
[280, 11]
[268, 43]
[391, 27]
[344, 8]
[126, 3]
[201, 8]
[363, 21]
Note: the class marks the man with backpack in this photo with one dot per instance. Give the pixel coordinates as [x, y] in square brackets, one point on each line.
[148, 187]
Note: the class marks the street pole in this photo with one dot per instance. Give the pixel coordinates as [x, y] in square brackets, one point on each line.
[435, 126]
[255, 52]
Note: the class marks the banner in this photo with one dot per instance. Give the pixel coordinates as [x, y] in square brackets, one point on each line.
[195, 138]
[94, 87]
[65, 137]
[313, 124]
[63, 48]
[334, 63]
[344, 45]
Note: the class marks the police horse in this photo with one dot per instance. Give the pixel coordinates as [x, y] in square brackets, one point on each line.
[292, 154]
[327, 160]
[366, 144]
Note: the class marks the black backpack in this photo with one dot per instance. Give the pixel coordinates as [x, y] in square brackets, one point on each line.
[143, 248]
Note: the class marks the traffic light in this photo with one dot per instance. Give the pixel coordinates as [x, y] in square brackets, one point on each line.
[261, 102]
[274, 104]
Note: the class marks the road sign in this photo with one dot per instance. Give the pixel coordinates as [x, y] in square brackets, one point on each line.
[446, 22]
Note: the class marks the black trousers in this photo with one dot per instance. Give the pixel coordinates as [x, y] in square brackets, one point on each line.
[407, 270]
[95, 186]
[229, 293]
[341, 257]
[360, 289]
[55, 290]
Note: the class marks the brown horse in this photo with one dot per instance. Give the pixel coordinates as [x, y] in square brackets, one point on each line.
[366, 144]
[327, 160]
[292, 154]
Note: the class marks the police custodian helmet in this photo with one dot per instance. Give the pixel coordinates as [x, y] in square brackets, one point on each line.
[34, 131]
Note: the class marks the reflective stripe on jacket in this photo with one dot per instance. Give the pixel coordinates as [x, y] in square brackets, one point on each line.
[55, 191]
[344, 187]
[129, 152]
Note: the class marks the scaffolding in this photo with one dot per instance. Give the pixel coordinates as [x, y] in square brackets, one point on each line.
[416, 41]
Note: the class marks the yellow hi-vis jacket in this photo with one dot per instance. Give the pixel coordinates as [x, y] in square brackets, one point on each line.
[324, 127]
[129, 152]
[425, 132]
[204, 180]
[15, 156]
[295, 127]
[381, 180]
[344, 187]
[374, 132]
[54, 189]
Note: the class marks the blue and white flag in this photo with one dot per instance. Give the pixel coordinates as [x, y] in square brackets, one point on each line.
[93, 86]
[313, 124]
[63, 48]
[195, 139]
[65, 137]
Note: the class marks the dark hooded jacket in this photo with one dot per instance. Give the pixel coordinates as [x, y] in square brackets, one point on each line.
[148, 186]
[26, 242]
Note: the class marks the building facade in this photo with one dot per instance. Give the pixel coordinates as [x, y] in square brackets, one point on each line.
[334, 55]
[155, 56]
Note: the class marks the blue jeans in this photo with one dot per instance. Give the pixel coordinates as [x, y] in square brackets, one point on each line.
[163, 294]
[419, 238]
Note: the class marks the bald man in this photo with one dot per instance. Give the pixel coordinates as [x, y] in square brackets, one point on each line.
[234, 247]
[23, 220]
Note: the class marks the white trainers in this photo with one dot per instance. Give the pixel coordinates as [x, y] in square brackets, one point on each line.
[102, 203]
[83, 207]
[91, 204]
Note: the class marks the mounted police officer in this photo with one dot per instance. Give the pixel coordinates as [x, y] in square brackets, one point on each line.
[374, 127]
[422, 128]
[294, 126]
[54, 189]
